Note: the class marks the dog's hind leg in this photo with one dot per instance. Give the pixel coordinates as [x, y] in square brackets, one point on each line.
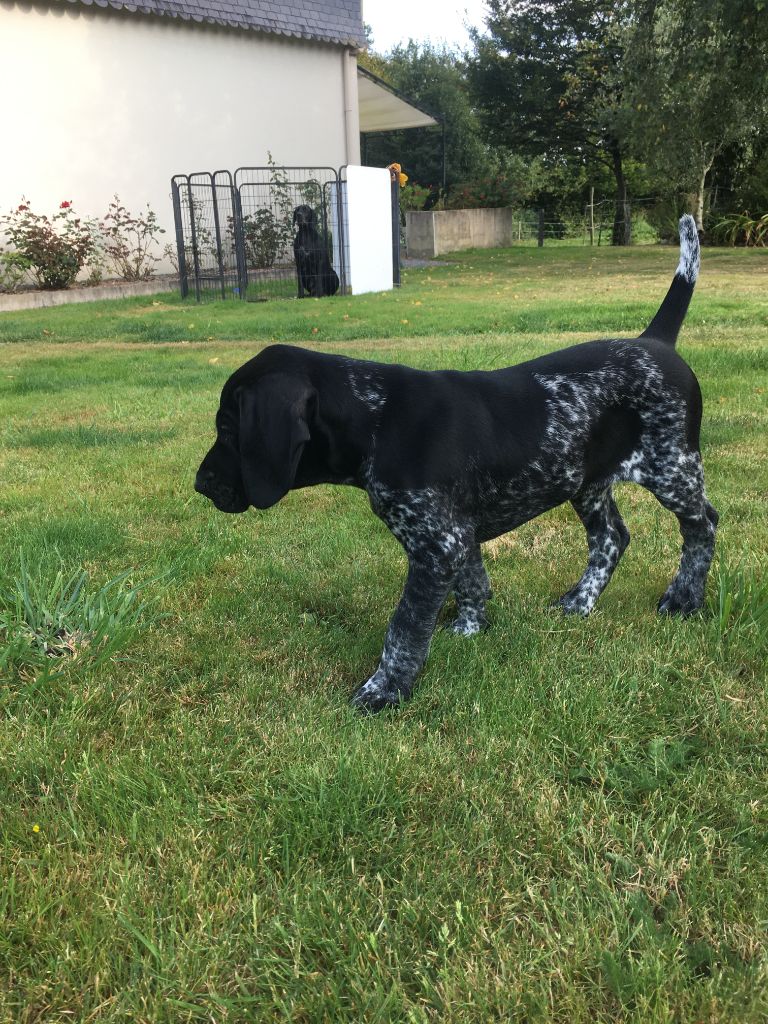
[471, 589]
[679, 487]
[607, 539]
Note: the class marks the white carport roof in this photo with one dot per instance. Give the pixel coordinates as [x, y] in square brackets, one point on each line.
[383, 109]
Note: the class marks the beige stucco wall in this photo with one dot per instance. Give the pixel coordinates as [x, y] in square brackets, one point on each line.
[98, 102]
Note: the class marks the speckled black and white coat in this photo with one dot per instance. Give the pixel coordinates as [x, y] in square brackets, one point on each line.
[452, 459]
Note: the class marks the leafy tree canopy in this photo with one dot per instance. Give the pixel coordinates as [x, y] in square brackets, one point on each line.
[547, 81]
[629, 96]
[697, 80]
[435, 79]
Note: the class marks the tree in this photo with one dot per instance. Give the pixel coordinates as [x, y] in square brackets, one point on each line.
[698, 85]
[435, 79]
[547, 79]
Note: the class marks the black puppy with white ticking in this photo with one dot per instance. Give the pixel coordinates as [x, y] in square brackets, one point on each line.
[310, 250]
[451, 459]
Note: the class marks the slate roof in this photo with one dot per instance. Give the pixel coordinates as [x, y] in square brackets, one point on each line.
[332, 21]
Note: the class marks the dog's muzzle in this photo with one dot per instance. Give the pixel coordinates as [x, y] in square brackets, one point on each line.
[223, 497]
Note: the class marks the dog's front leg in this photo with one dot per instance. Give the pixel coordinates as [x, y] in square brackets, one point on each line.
[409, 634]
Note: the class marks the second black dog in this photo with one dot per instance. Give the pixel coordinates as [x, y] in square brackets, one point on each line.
[313, 265]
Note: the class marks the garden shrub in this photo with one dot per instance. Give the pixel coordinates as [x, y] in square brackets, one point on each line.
[13, 271]
[414, 197]
[264, 237]
[129, 241]
[741, 229]
[486, 193]
[54, 249]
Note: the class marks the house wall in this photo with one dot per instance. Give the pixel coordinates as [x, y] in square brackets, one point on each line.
[100, 102]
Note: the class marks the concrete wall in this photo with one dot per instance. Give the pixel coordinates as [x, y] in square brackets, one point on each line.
[99, 102]
[430, 234]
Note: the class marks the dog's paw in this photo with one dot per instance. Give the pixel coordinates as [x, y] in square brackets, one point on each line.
[374, 695]
[573, 603]
[465, 625]
[679, 602]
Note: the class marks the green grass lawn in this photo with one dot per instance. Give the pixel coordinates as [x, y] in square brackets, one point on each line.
[569, 821]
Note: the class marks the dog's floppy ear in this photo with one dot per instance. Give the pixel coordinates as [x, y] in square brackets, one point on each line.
[274, 428]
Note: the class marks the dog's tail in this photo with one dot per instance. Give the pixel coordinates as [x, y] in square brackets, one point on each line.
[666, 325]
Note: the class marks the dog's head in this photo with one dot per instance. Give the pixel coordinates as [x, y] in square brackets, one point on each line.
[304, 216]
[262, 428]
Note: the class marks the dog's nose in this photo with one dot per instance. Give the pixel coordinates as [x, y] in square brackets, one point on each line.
[202, 481]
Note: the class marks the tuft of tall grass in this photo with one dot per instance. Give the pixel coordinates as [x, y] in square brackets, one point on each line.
[742, 229]
[51, 620]
[739, 603]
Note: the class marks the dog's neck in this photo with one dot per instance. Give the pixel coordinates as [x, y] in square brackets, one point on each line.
[342, 431]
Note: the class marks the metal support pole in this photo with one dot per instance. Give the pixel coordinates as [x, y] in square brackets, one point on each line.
[395, 189]
[340, 198]
[195, 250]
[178, 224]
[217, 228]
[242, 264]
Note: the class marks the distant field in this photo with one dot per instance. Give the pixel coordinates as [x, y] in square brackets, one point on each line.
[567, 823]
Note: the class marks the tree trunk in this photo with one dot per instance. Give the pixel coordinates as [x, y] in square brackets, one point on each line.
[622, 219]
[698, 196]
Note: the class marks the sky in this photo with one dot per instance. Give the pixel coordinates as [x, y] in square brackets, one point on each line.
[435, 21]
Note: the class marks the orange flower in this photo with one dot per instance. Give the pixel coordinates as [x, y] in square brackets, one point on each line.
[396, 174]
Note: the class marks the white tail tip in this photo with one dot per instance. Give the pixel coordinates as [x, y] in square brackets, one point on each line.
[688, 267]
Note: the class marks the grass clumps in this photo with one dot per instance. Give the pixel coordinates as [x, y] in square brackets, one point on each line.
[51, 621]
[740, 603]
[566, 825]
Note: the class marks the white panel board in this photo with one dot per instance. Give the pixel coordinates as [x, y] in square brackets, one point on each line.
[369, 229]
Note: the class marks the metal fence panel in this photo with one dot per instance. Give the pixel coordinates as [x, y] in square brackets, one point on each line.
[235, 233]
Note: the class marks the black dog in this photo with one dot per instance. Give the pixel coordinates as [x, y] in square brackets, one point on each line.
[313, 265]
[452, 459]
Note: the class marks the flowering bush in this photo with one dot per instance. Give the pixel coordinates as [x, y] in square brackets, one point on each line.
[54, 249]
[128, 242]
